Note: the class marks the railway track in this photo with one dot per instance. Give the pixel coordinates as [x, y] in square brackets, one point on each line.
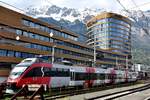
[119, 94]
[82, 91]
[76, 91]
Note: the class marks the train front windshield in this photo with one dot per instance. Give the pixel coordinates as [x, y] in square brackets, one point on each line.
[17, 71]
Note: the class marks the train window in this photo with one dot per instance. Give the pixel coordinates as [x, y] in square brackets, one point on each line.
[29, 74]
[93, 76]
[35, 72]
[115, 76]
[101, 76]
[109, 76]
[56, 72]
[53, 72]
[81, 76]
[46, 71]
[59, 72]
[106, 76]
[66, 72]
[62, 72]
[59, 69]
[17, 71]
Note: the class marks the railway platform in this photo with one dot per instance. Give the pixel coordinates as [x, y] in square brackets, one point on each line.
[89, 96]
[143, 95]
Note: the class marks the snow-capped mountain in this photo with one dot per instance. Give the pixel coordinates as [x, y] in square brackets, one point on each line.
[71, 16]
[75, 19]
[65, 13]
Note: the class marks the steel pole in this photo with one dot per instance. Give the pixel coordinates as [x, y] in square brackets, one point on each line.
[117, 62]
[53, 54]
[94, 51]
[126, 62]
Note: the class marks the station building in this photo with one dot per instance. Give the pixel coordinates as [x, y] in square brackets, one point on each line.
[34, 39]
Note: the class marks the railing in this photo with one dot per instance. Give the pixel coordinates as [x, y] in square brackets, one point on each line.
[23, 91]
[38, 92]
[2, 87]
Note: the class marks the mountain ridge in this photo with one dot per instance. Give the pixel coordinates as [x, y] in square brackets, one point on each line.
[59, 13]
[75, 20]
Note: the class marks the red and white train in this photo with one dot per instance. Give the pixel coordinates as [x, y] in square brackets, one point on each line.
[36, 71]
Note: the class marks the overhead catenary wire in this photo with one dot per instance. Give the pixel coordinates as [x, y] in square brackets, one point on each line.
[143, 15]
[122, 6]
[12, 6]
[140, 5]
[49, 2]
[142, 27]
[15, 8]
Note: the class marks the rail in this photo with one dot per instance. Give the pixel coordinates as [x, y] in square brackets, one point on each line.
[64, 92]
[38, 92]
[20, 92]
[115, 95]
[78, 91]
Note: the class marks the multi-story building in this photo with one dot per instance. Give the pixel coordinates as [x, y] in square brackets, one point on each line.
[34, 39]
[112, 32]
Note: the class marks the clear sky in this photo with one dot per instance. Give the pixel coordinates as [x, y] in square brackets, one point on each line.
[109, 5]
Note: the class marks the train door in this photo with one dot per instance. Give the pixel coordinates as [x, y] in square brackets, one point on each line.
[126, 75]
[112, 76]
[72, 77]
[92, 76]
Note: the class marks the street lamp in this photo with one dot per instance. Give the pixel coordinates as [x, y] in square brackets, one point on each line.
[20, 43]
[51, 34]
[17, 38]
[7, 41]
[53, 48]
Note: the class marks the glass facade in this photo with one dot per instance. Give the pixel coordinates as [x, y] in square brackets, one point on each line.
[42, 47]
[20, 54]
[11, 53]
[110, 34]
[43, 38]
[47, 29]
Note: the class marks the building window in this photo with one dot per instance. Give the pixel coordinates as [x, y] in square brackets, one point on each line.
[18, 54]
[18, 32]
[37, 36]
[25, 22]
[37, 26]
[32, 35]
[42, 38]
[24, 55]
[32, 24]
[3, 52]
[10, 53]
[25, 34]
